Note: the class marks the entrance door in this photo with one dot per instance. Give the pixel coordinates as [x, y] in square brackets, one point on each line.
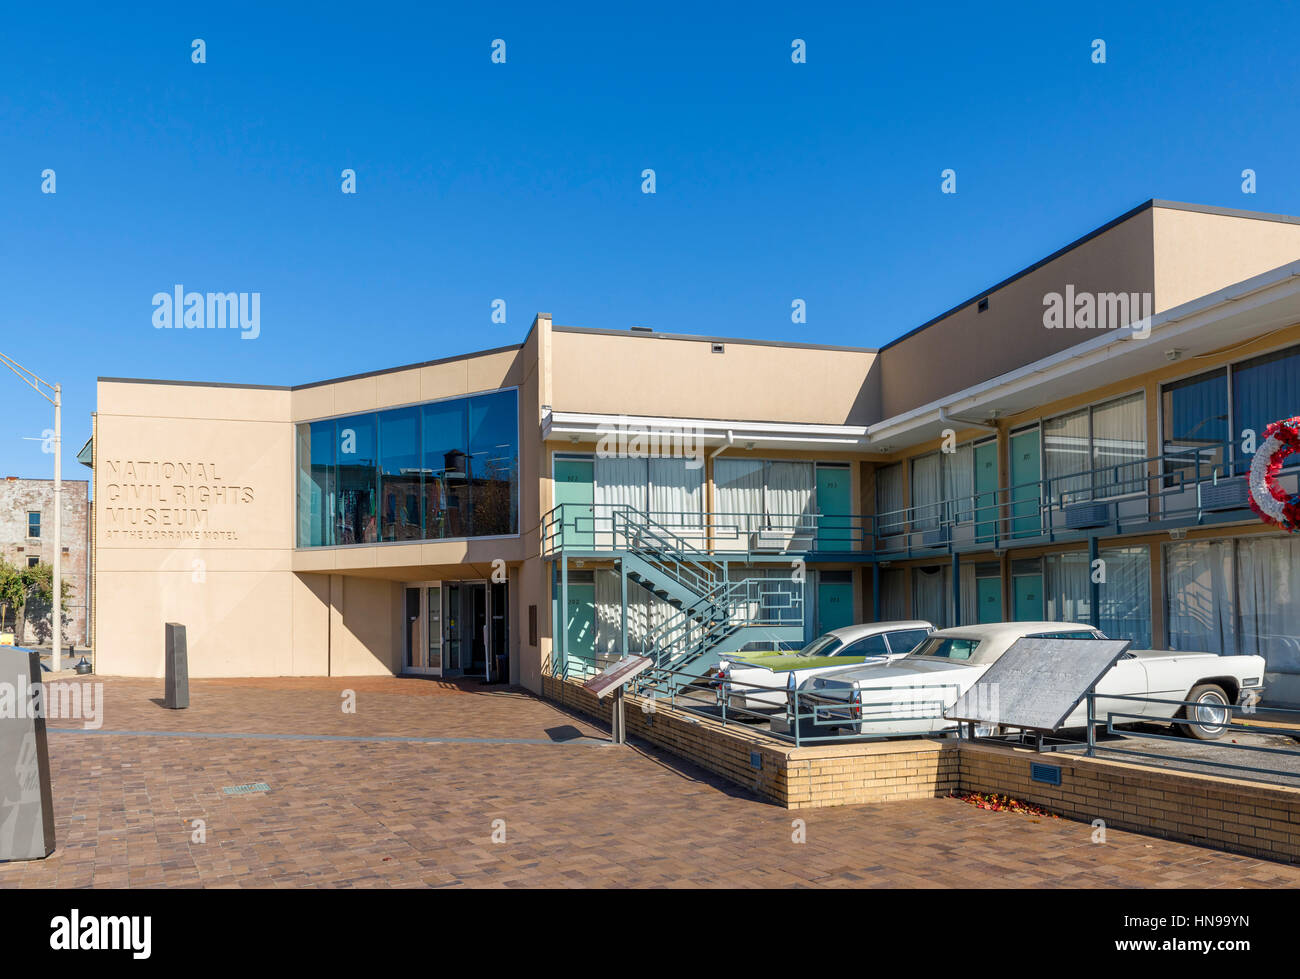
[581, 624]
[574, 487]
[423, 628]
[834, 505]
[988, 596]
[986, 485]
[834, 601]
[1026, 471]
[1028, 597]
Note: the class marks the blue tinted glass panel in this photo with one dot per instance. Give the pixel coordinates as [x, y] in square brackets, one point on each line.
[399, 474]
[357, 479]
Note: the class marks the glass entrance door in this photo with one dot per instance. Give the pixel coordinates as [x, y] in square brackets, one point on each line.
[422, 611]
[466, 629]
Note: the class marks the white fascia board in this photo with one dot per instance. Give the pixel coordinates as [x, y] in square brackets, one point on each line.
[1180, 322]
[568, 423]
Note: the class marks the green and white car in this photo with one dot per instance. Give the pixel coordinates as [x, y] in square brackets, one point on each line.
[758, 681]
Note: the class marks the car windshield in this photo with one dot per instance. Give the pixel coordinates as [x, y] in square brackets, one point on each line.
[937, 648]
[821, 646]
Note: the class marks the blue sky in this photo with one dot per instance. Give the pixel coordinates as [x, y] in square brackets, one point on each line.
[521, 181]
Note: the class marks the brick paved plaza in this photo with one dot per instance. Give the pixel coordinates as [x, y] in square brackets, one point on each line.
[342, 811]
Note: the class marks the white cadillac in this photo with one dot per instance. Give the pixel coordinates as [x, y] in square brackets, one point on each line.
[909, 696]
[759, 681]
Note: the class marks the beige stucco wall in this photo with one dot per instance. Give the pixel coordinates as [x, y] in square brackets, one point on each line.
[252, 604]
[1198, 253]
[653, 374]
[223, 571]
[969, 347]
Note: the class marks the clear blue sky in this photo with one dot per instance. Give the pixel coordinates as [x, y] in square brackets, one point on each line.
[521, 181]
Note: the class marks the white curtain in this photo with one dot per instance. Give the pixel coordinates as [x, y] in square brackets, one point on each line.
[1119, 441]
[619, 482]
[788, 495]
[1067, 588]
[931, 595]
[1066, 453]
[889, 499]
[739, 491]
[676, 493]
[959, 483]
[1268, 593]
[893, 596]
[1126, 595]
[969, 598]
[609, 612]
[1201, 608]
[927, 491]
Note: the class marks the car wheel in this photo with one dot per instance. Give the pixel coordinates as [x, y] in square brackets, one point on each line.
[1208, 720]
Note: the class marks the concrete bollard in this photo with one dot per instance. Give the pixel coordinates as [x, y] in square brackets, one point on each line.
[177, 695]
[26, 802]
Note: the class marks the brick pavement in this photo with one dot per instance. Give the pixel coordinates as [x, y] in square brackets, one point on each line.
[576, 813]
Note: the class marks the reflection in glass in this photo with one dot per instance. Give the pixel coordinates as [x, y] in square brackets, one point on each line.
[448, 469]
[446, 495]
[399, 474]
[355, 445]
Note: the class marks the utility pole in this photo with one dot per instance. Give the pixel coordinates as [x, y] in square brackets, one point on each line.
[54, 397]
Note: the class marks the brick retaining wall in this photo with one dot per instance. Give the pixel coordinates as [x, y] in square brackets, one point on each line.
[1228, 814]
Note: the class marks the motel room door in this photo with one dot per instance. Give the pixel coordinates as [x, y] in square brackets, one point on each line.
[834, 503]
[574, 487]
[423, 620]
[1026, 491]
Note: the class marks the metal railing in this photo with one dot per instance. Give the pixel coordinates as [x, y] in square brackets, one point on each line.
[1120, 497]
[1226, 711]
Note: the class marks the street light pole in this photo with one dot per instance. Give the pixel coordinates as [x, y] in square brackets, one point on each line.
[54, 397]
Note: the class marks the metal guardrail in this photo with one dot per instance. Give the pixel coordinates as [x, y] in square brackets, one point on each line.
[1166, 487]
[1230, 711]
[811, 710]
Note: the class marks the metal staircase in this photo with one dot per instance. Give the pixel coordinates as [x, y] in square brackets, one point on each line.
[711, 613]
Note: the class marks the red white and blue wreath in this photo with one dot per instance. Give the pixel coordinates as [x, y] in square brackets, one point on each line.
[1267, 498]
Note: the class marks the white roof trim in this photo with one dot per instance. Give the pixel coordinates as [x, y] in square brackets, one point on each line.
[564, 424]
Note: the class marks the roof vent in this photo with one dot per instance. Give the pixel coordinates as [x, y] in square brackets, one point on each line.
[984, 304]
[642, 329]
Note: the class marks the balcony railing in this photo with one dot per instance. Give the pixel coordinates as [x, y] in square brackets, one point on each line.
[1179, 487]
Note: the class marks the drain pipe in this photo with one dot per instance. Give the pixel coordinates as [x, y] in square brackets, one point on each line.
[731, 440]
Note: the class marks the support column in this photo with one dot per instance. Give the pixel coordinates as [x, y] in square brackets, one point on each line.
[875, 591]
[564, 612]
[1094, 587]
[956, 589]
[622, 576]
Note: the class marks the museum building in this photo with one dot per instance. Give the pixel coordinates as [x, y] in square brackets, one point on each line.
[545, 506]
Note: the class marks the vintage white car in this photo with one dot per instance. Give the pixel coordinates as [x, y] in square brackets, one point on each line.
[758, 682]
[909, 696]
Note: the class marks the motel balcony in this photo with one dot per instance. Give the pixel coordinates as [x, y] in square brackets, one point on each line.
[1181, 488]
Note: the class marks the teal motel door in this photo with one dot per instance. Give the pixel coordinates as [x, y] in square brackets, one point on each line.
[1026, 471]
[988, 595]
[986, 488]
[834, 600]
[834, 504]
[1027, 597]
[575, 490]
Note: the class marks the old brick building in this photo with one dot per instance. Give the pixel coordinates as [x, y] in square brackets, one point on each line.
[27, 538]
